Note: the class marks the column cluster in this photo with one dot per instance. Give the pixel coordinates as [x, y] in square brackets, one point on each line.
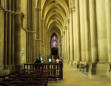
[88, 34]
[12, 25]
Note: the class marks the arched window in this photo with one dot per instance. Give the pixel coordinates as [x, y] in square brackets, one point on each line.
[54, 42]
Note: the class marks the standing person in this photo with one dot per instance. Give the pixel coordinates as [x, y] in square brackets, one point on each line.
[37, 63]
[57, 60]
[38, 60]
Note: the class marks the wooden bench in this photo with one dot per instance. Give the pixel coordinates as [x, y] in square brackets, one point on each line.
[24, 79]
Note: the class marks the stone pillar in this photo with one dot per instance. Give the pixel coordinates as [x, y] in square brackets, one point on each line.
[33, 29]
[78, 42]
[43, 39]
[38, 29]
[102, 64]
[87, 30]
[93, 31]
[93, 34]
[108, 23]
[5, 39]
[17, 35]
[37, 33]
[73, 33]
[67, 46]
[42, 31]
[82, 31]
[1, 39]
[70, 37]
[10, 36]
[101, 31]
[108, 26]
[63, 45]
[68, 40]
[18, 39]
[13, 30]
[65, 53]
[45, 46]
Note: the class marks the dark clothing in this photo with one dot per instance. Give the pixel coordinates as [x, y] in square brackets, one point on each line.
[37, 65]
[37, 61]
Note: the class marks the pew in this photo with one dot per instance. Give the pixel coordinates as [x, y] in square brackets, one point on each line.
[33, 75]
[24, 79]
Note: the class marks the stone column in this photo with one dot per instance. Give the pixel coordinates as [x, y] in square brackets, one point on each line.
[1, 39]
[77, 33]
[42, 31]
[108, 23]
[13, 30]
[37, 33]
[18, 39]
[40, 28]
[68, 44]
[17, 35]
[93, 34]
[101, 31]
[33, 29]
[101, 67]
[70, 36]
[43, 42]
[10, 36]
[73, 34]
[65, 56]
[82, 30]
[38, 24]
[5, 39]
[93, 31]
[87, 30]
[63, 45]
[45, 46]
[108, 26]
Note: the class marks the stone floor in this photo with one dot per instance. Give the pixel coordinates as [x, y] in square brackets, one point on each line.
[75, 78]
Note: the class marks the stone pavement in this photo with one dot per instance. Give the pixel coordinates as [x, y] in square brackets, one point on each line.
[75, 78]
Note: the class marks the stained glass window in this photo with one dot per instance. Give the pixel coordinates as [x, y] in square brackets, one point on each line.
[54, 42]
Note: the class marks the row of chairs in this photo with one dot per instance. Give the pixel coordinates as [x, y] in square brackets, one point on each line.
[22, 78]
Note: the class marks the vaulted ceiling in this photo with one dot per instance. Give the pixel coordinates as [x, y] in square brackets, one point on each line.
[55, 13]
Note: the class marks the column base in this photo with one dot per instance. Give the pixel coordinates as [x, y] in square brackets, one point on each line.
[71, 63]
[13, 67]
[4, 71]
[110, 76]
[75, 64]
[83, 66]
[99, 71]
[9, 68]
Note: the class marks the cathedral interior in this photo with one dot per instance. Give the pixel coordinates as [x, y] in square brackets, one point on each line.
[76, 31]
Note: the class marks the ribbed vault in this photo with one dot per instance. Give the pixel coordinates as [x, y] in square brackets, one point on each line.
[54, 13]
